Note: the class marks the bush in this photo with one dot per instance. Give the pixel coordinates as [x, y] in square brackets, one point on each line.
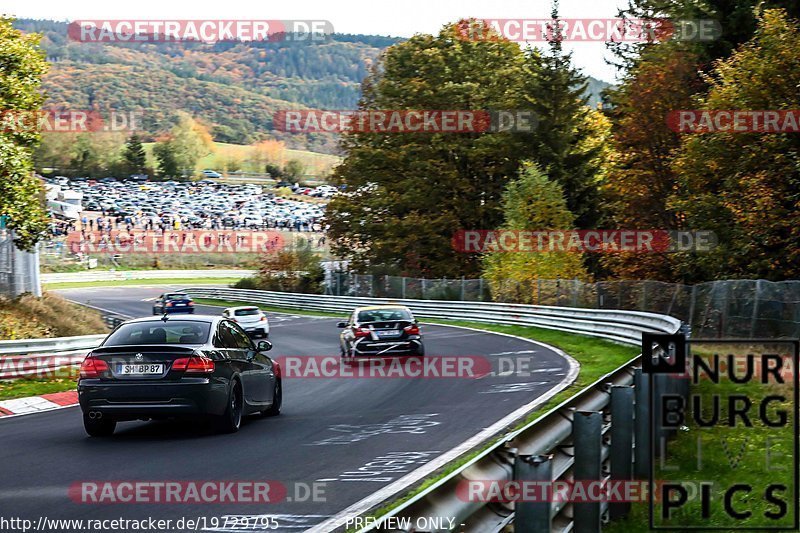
[246, 283]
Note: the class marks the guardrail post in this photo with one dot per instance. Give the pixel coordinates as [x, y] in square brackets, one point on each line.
[641, 387]
[621, 444]
[587, 441]
[533, 516]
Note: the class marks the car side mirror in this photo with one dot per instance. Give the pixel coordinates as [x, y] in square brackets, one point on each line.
[341, 324]
[264, 346]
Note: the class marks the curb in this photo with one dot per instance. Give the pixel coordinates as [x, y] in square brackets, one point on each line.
[38, 404]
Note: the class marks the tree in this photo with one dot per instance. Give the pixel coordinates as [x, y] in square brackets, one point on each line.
[637, 188]
[290, 270]
[135, 156]
[274, 171]
[407, 194]
[746, 186]
[532, 202]
[556, 91]
[190, 140]
[21, 193]
[164, 152]
[294, 170]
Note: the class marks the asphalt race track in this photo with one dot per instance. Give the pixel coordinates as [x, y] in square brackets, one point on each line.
[350, 437]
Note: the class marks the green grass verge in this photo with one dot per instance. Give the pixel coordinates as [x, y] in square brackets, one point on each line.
[140, 282]
[22, 388]
[758, 456]
[597, 357]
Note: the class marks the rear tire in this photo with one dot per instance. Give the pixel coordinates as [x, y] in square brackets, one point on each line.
[231, 420]
[277, 400]
[102, 427]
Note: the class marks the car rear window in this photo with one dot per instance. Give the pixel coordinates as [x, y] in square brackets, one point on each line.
[246, 312]
[177, 296]
[170, 332]
[380, 315]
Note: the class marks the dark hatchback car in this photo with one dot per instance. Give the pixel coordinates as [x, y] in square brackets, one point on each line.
[380, 330]
[173, 302]
[158, 368]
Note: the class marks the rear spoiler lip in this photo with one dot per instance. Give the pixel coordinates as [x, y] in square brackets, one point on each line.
[144, 348]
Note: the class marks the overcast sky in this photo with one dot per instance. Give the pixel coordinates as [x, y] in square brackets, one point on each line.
[401, 18]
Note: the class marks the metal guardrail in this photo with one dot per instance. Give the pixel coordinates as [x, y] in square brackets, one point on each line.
[116, 275]
[42, 357]
[575, 440]
[620, 326]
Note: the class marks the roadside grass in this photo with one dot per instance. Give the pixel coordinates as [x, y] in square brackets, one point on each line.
[140, 282]
[597, 357]
[724, 456]
[24, 387]
[29, 317]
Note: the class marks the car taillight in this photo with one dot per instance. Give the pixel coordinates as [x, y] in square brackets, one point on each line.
[194, 365]
[263, 318]
[169, 304]
[412, 329]
[189, 303]
[361, 332]
[92, 367]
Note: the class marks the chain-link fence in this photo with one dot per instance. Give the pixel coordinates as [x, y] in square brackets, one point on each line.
[19, 270]
[731, 308]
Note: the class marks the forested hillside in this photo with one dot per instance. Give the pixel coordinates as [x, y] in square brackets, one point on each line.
[233, 87]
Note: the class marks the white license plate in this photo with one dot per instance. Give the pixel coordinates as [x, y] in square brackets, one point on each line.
[180, 305]
[389, 333]
[140, 369]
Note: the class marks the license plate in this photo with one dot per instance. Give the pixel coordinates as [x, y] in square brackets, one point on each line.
[389, 333]
[140, 369]
[180, 305]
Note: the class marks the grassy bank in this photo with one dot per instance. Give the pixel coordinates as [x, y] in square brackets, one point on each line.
[28, 317]
[723, 455]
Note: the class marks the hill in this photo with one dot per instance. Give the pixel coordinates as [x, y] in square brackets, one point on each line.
[234, 87]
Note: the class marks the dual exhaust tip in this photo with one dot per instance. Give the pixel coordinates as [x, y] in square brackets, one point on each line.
[95, 415]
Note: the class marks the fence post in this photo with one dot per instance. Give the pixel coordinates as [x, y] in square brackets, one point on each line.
[621, 443]
[641, 387]
[533, 516]
[403, 288]
[587, 441]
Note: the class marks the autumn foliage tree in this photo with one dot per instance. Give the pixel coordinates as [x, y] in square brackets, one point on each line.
[746, 186]
[22, 66]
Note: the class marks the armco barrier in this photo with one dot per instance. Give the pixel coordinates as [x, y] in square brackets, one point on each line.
[620, 326]
[118, 275]
[577, 439]
[41, 357]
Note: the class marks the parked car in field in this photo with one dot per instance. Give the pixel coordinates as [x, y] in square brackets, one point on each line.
[208, 173]
[161, 368]
[252, 320]
[173, 302]
[380, 330]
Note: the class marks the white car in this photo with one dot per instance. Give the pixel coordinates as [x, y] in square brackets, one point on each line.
[252, 320]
